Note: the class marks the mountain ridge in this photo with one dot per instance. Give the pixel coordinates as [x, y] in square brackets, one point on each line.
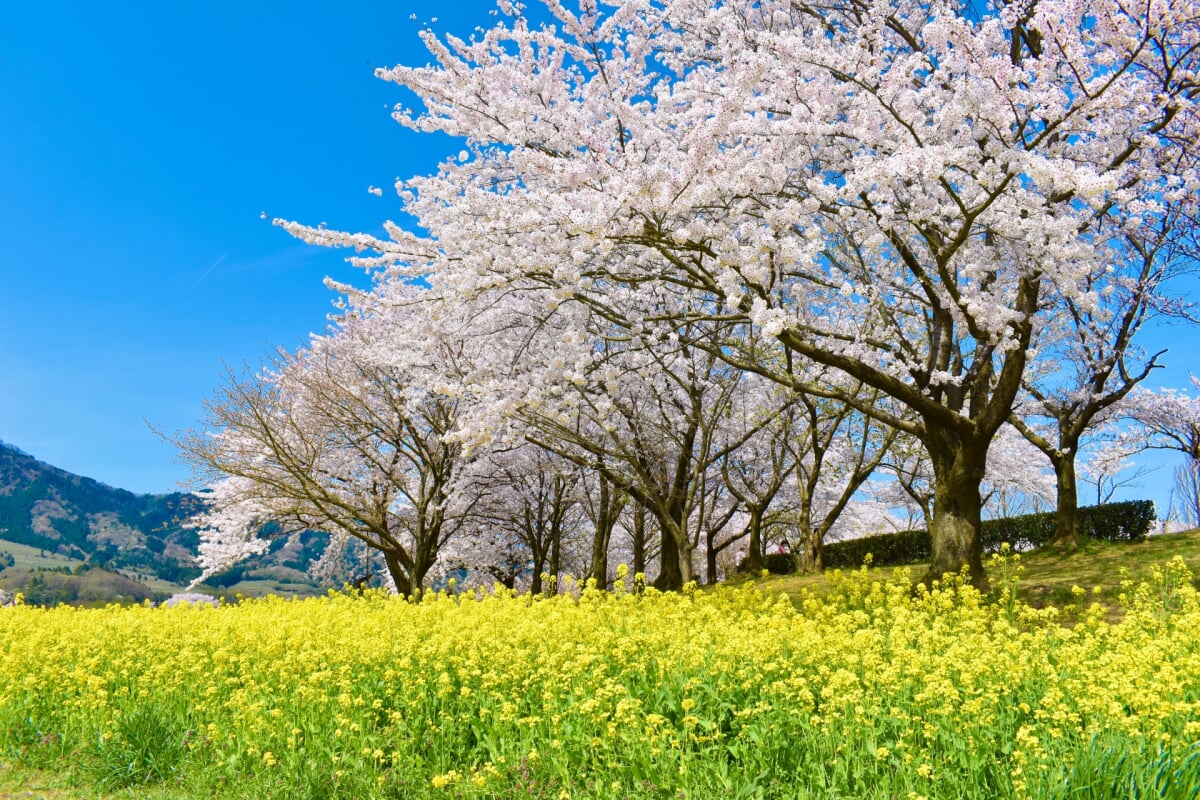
[83, 519]
[45, 506]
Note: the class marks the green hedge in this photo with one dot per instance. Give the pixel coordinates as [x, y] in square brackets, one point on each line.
[779, 563]
[1119, 522]
[886, 549]
[1113, 522]
[774, 563]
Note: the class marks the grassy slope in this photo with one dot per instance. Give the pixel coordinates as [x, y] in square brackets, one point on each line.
[1048, 577]
[28, 557]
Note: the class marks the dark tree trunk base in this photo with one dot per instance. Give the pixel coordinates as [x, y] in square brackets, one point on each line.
[670, 575]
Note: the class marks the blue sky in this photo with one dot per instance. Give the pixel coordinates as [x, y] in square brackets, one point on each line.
[139, 144]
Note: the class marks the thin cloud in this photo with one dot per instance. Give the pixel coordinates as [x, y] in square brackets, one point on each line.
[206, 273]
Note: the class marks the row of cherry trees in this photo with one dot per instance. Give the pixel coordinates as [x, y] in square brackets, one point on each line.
[714, 264]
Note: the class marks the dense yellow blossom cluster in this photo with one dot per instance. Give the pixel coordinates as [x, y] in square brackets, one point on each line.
[871, 691]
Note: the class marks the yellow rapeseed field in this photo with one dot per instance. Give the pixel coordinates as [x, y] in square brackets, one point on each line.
[871, 691]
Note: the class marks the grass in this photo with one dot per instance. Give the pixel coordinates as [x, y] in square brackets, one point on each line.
[26, 783]
[1049, 577]
[27, 557]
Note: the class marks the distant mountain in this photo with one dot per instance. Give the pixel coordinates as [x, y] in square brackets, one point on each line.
[58, 512]
[51, 509]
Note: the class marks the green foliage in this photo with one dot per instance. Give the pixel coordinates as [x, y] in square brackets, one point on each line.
[779, 563]
[1118, 522]
[1114, 522]
[888, 549]
[1109, 768]
[145, 745]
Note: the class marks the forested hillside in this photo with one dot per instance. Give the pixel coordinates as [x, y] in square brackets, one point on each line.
[51, 509]
[80, 518]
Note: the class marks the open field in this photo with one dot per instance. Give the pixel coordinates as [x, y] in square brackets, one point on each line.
[27, 557]
[867, 692]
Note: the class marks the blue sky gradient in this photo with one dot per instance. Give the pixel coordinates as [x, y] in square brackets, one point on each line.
[139, 144]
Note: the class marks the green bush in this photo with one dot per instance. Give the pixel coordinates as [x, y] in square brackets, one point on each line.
[888, 549]
[779, 563]
[1113, 522]
[1118, 522]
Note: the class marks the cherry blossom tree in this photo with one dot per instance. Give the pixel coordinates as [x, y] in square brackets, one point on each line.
[529, 514]
[1087, 359]
[325, 439]
[602, 502]
[836, 449]
[1106, 464]
[894, 190]
[715, 520]
[757, 473]
[1187, 492]
[1168, 419]
[1016, 480]
[646, 420]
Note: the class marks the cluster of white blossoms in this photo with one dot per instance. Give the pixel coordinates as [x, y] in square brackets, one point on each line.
[900, 209]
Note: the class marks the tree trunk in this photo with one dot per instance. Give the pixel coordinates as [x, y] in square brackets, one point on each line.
[605, 522]
[599, 569]
[957, 473]
[812, 547]
[555, 563]
[685, 565]
[404, 585]
[710, 559]
[1067, 535]
[670, 574]
[639, 541]
[539, 566]
[754, 550]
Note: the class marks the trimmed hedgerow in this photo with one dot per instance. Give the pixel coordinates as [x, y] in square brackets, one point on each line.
[1113, 522]
[888, 549]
